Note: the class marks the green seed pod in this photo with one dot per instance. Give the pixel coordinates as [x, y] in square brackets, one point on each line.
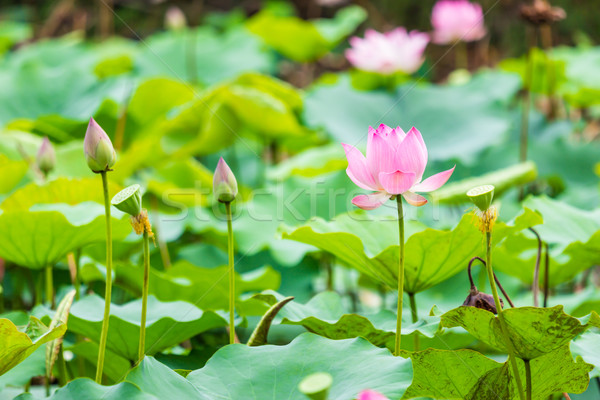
[482, 196]
[129, 200]
[316, 386]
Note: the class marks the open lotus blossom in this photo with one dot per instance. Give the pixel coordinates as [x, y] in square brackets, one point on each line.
[371, 395]
[457, 20]
[390, 52]
[394, 165]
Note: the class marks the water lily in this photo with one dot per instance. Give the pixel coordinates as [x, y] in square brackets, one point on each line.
[99, 151]
[371, 395]
[387, 53]
[457, 20]
[394, 165]
[46, 157]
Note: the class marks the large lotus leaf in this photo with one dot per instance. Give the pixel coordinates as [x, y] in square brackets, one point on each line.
[167, 324]
[588, 347]
[84, 388]
[468, 118]
[546, 75]
[20, 375]
[354, 364]
[61, 190]
[310, 163]
[533, 331]
[207, 288]
[12, 32]
[432, 256]
[115, 366]
[554, 372]
[443, 374]
[16, 345]
[573, 237]
[326, 315]
[12, 172]
[37, 239]
[581, 66]
[202, 54]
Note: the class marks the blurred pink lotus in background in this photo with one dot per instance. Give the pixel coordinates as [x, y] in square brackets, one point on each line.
[394, 165]
[457, 20]
[371, 395]
[386, 53]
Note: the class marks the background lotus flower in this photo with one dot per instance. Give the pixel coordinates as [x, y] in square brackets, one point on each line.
[457, 20]
[224, 183]
[371, 395]
[46, 157]
[390, 52]
[99, 151]
[394, 165]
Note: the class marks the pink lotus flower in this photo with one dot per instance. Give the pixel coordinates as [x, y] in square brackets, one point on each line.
[394, 165]
[371, 395]
[457, 20]
[389, 52]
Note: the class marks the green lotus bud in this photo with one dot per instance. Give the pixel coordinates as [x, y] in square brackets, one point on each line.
[46, 158]
[316, 386]
[482, 196]
[224, 184]
[99, 152]
[129, 200]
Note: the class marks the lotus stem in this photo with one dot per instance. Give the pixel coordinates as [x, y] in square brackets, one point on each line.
[546, 274]
[415, 318]
[49, 286]
[231, 275]
[144, 296]
[528, 378]
[509, 346]
[535, 288]
[400, 274]
[108, 291]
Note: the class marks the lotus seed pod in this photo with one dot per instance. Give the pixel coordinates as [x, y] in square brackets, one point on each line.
[99, 151]
[46, 157]
[316, 386]
[224, 184]
[129, 200]
[482, 196]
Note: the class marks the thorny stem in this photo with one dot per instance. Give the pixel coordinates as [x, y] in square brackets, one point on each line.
[536, 272]
[142, 347]
[495, 279]
[546, 274]
[415, 318]
[231, 275]
[400, 274]
[509, 346]
[108, 292]
[528, 378]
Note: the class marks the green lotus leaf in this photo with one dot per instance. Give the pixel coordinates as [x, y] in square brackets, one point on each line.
[443, 374]
[533, 331]
[432, 256]
[12, 173]
[37, 239]
[115, 366]
[587, 346]
[84, 388]
[16, 345]
[354, 364]
[168, 323]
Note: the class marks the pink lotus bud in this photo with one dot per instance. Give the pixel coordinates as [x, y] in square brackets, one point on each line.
[46, 158]
[224, 184]
[175, 19]
[371, 395]
[457, 20]
[387, 53]
[99, 151]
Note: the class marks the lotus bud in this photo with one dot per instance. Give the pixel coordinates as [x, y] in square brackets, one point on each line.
[129, 200]
[316, 386]
[99, 152]
[224, 184]
[46, 158]
[481, 300]
[175, 19]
